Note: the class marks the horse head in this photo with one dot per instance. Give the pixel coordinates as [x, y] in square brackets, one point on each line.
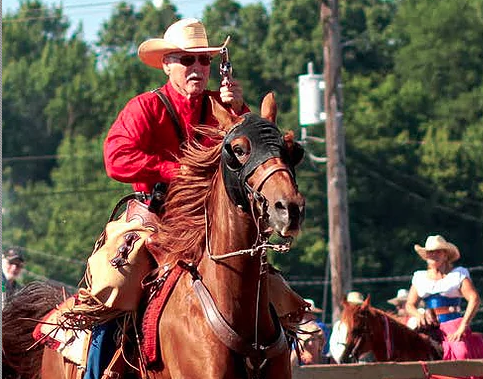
[258, 167]
[372, 334]
[357, 323]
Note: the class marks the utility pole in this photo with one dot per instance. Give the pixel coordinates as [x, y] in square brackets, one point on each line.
[339, 240]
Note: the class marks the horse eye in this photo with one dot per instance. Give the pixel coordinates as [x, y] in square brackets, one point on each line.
[239, 151]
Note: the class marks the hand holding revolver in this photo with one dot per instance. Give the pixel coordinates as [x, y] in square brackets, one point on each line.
[230, 90]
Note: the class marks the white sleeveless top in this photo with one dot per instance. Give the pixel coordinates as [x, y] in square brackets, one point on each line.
[449, 286]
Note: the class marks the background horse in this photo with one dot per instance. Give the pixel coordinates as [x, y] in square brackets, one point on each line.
[374, 335]
[219, 214]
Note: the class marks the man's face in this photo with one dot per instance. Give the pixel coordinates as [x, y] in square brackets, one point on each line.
[12, 268]
[188, 73]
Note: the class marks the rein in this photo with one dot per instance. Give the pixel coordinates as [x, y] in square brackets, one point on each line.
[388, 338]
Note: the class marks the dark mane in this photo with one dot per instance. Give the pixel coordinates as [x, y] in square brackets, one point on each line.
[31, 303]
[182, 230]
[391, 316]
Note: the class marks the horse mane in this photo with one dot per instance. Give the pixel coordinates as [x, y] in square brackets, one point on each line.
[182, 231]
[392, 317]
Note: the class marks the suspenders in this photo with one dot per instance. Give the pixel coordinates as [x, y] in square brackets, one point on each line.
[174, 116]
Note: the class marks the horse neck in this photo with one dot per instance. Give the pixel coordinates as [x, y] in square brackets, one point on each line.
[400, 337]
[384, 343]
[235, 282]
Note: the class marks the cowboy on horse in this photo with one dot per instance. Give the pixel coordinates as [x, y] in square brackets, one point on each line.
[142, 148]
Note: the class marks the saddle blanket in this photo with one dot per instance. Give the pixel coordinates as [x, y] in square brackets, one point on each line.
[149, 342]
[53, 333]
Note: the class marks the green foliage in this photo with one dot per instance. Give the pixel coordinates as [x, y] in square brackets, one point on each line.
[294, 38]
[444, 47]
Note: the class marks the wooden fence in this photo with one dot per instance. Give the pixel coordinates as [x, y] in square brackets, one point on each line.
[391, 370]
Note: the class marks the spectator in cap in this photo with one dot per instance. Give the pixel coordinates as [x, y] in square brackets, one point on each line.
[399, 303]
[312, 338]
[355, 297]
[317, 314]
[12, 265]
[401, 314]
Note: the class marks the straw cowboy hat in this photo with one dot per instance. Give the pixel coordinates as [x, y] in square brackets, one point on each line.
[401, 297]
[313, 308]
[355, 297]
[438, 243]
[188, 35]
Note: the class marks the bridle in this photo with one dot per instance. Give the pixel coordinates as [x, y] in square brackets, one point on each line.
[256, 355]
[388, 340]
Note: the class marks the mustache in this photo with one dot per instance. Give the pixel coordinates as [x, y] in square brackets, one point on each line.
[194, 75]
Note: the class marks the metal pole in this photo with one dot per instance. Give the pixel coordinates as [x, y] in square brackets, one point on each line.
[339, 240]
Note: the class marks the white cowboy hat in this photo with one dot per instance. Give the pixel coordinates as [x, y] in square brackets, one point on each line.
[401, 297]
[313, 308]
[355, 297]
[187, 35]
[438, 243]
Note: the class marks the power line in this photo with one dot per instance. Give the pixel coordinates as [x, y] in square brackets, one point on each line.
[78, 7]
[71, 192]
[446, 209]
[72, 289]
[398, 173]
[360, 280]
[45, 157]
[42, 253]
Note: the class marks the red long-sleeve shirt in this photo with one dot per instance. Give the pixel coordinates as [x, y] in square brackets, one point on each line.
[142, 144]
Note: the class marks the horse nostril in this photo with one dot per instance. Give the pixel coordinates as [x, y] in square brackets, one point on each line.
[279, 206]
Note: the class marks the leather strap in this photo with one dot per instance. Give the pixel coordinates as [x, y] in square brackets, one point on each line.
[172, 114]
[115, 370]
[228, 336]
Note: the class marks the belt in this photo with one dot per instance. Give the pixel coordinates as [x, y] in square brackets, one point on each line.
[445, 310]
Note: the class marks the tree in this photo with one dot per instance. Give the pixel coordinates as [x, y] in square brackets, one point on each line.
[44, 74]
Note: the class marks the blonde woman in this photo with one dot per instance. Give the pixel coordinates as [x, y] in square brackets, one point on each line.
[442, 287]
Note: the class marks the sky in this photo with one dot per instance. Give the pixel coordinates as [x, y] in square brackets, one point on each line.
[92, 13]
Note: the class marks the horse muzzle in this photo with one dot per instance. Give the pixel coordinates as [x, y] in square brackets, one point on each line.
[286, 215]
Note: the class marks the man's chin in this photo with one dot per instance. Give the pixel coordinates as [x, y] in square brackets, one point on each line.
[195, 87]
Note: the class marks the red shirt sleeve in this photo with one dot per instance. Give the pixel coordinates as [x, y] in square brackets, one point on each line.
[141, 145]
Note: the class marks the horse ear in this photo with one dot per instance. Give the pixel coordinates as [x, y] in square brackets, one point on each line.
[295, 149]
[367, 302]
[225, 119]
[269, 107]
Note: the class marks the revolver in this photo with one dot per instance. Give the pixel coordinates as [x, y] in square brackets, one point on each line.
[226, 69]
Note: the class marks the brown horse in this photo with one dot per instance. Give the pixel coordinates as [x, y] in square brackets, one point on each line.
[219, 214]
[374, 335]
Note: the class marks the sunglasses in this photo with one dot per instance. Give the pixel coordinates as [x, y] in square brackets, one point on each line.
[189, 60]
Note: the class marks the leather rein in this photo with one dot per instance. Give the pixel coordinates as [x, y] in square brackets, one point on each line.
[255, 354]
